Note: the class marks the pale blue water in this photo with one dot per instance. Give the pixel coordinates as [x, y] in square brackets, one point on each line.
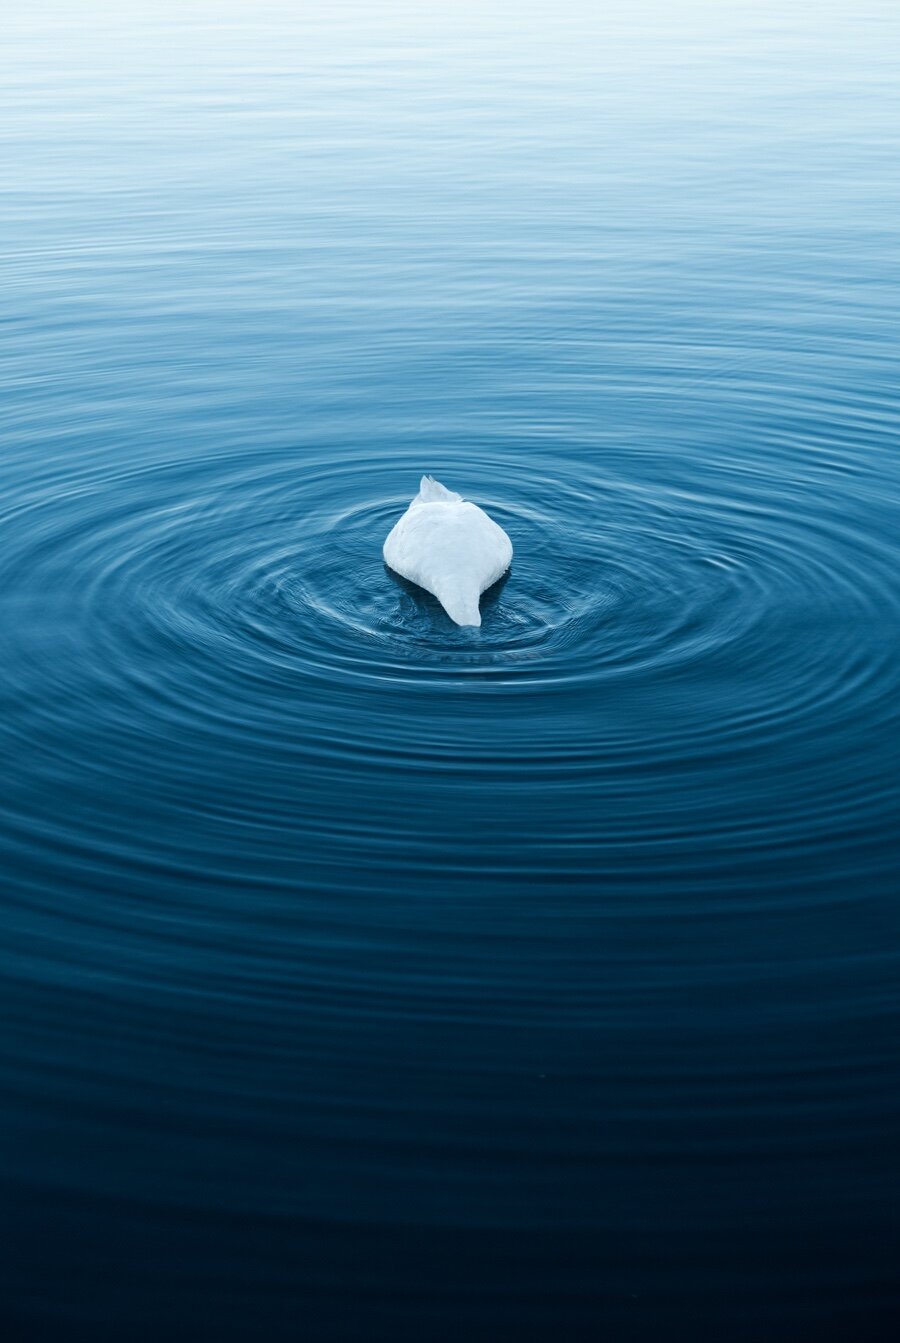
[368, 978]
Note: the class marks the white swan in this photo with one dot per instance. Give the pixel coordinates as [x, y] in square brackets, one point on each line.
[450, 548]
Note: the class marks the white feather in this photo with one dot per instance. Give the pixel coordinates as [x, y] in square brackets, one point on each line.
[450, 548]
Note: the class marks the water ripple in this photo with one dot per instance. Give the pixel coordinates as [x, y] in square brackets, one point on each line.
[409, 981]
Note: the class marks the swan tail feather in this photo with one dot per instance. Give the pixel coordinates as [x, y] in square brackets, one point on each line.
[431, 491]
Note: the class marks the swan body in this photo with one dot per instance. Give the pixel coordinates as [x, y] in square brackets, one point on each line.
[450, 548]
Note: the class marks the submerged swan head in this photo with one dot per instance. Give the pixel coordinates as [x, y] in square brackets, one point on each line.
[450, 548]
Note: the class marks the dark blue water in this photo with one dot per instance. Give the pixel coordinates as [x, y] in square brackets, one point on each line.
[365, 978]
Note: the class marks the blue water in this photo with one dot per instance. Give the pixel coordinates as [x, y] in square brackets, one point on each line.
[366, 978]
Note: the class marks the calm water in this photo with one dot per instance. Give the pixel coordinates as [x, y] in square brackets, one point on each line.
[364, 978]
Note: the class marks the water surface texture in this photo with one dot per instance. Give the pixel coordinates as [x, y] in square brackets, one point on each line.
[367, 978]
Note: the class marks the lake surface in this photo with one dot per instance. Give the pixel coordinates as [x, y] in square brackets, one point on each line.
[367, 978]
